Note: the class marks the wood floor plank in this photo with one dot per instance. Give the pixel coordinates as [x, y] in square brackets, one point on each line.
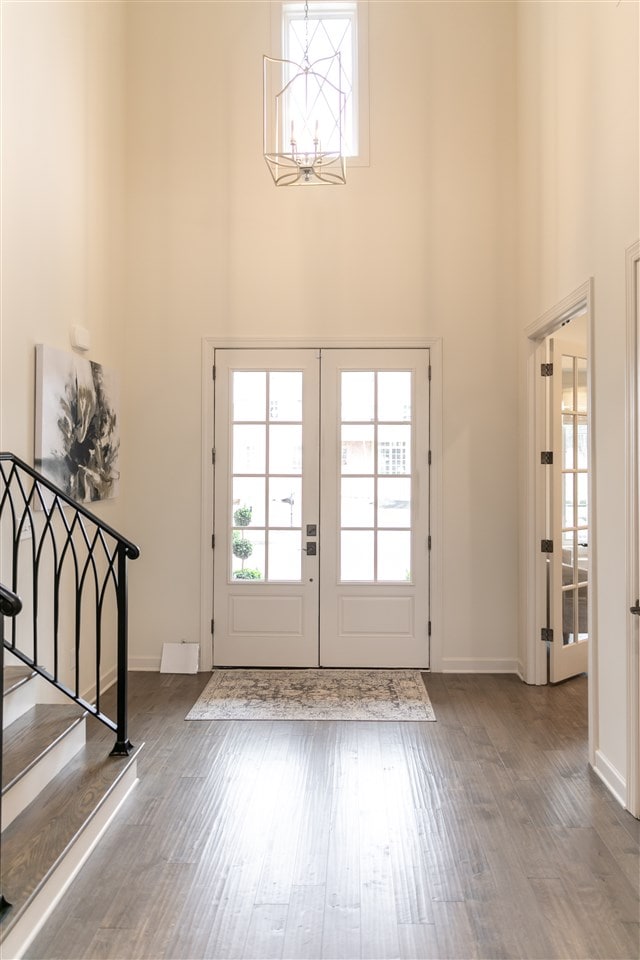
[338, 841]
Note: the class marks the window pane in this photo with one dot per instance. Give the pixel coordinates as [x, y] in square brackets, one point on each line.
[581, 385]
[583, 500]
[249, 394]
[568, 557]
[285, 449]
[394, 502]
[249, 450]
[582, 443]
[568, 606]
[357, 502]
[357, 449]
[583, 619]
[285, 555]
[567, 383]
[247, 554]
[567, 501]
[357, 395]
[394, 449]
[356, 555]
[394, 555]
[394, 395]
[284, 502]
[285, 395]
[567, 442]
[248, 502]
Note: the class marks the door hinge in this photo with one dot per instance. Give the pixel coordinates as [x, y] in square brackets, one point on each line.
[429, 628]
[429, 542]
[546, 633]
[546, 456]
[213, 372]
[546, 546]
[213, 455]
[212, 626]
[546, 369]
[213, 541]
[429, 371]
[429, 458]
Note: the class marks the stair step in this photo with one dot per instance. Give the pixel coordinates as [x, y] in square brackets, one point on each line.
[36, 748]
[15, 677]
[47, 843]
[36, 732]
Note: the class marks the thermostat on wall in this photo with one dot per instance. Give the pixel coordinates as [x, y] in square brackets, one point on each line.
[80, 338]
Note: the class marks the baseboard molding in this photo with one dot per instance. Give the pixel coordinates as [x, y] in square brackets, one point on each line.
[612, 778]
[469, 665]
[151, 664]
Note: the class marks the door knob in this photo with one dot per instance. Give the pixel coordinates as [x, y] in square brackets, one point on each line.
[636, 608]
[311, 549]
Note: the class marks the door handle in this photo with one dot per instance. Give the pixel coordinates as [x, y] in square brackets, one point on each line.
[310, 549]
[636, 608]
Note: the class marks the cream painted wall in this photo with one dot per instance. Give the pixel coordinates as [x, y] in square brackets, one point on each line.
[62, 118]
[579, 171]
[420, 243]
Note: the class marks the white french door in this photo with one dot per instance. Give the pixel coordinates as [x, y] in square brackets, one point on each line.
[570, 512]
[321, 508]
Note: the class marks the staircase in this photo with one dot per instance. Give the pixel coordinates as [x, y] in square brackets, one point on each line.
[59, 654]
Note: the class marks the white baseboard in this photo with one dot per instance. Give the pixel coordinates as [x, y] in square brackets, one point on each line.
[469, 665]
[145, 663]
[612, 778]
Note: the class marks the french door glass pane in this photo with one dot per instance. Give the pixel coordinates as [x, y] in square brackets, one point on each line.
[356, 555]
[567, 500]
[285, 555]
[247, 554]
[249, 394]
[357, 395]
[581, 385]
[247, 508]
[394, 502]
[249, 448]
[567, 384]
[357, 448]
[568, 608]
[284, 502]
[582, 443]
[394, 555]
[356, 508]
[285, 449]
[394, 449]
[285, 395]
[394, 395]
[567, 442]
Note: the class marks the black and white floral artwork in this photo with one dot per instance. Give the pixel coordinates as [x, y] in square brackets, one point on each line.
[77, 436]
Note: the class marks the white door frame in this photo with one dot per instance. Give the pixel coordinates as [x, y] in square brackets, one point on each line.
[209, 346]
[535, 666]
[633, 531]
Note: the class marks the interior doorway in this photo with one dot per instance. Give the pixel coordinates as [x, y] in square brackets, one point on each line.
[321, 507]
[561, 556]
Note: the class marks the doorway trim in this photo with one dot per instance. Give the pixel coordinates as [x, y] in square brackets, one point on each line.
[209, 346]
[633, 531]
[534, 670]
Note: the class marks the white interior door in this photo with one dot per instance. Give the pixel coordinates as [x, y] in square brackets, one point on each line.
[266, 501]
[374, 508]
[570, 512]
[321, 508]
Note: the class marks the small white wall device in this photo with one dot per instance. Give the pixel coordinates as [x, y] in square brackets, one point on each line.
[80, 338]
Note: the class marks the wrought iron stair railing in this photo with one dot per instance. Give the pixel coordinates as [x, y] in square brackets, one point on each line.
[10, 606]
[70, 569]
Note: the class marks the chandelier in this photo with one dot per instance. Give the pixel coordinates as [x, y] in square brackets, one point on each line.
[303, 118]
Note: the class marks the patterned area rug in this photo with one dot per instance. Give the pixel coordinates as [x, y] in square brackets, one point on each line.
[313, 695]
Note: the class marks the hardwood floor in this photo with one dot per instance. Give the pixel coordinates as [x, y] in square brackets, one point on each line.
[482, 835]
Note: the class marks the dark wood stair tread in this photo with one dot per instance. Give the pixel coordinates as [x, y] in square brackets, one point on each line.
[34, 733]
[35, 841]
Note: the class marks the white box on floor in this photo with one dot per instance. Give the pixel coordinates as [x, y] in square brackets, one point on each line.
[179, 658]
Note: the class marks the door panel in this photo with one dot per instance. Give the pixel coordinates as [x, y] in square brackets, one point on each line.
[374, 508]
[266, 492]
[570, 512]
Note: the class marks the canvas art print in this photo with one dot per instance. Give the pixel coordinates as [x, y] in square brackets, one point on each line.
[77, 436]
